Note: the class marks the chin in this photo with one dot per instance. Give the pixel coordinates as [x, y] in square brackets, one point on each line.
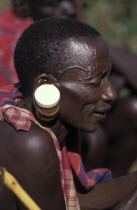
[90, 129]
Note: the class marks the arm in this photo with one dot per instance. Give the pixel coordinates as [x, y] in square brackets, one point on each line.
[31, 158]
[108, 194]
[125, 62]
[130, 202]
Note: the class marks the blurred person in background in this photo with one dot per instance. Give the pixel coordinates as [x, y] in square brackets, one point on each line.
[21, 14]
[12, 24]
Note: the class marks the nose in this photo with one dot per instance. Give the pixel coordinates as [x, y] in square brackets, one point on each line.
[109, 93]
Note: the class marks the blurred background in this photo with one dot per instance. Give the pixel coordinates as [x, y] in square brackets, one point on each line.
[116, 20]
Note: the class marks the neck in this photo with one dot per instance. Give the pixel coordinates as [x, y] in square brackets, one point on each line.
[61, 132]
[59, 128]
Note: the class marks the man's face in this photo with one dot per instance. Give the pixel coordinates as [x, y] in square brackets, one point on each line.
[40, 9]
[85, 88]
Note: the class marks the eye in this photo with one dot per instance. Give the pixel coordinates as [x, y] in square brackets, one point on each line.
[105, 74]
[96, 83]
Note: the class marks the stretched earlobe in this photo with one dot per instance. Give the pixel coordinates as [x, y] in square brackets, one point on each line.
[46, 101]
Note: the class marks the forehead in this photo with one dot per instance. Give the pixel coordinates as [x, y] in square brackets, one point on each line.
[68, 5]
[89, 55]
[64, 3]
[44, 8]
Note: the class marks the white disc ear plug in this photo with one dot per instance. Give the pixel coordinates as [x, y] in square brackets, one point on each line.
[47, 96]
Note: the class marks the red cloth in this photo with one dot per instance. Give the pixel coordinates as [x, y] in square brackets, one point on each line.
[21, 119]
[10, 95]
[11, 28]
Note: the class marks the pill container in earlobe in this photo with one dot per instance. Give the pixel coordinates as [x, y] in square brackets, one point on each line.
[46, 101]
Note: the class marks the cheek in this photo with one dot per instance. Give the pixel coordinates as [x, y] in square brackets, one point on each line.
[77, 112]
[70, 107]
[78, 101]
[79, 98]
[90, 96]
[70, 103]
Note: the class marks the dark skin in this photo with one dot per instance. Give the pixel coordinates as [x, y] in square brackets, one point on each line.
[124, 66]
[27, 161]
[93, 144]
[31, 157]
[116, 147]
[120, 125]
[119, 140]
[39, 9]
[122, 137]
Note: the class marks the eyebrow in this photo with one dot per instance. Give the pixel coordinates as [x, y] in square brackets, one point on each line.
[99, 74]
[76, 67]
[102, 74]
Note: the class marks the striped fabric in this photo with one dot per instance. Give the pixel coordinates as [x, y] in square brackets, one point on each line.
[9, 94]
[22, 118]
[91, 178]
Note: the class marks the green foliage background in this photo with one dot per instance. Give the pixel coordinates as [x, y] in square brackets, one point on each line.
[115, 19]
[4, 4]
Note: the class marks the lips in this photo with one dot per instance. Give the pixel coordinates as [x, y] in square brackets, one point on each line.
[100, 114]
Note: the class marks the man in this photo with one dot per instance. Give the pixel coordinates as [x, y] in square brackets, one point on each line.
[21, 16]
[74, 58]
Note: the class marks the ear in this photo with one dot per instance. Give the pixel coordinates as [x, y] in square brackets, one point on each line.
[44, 79]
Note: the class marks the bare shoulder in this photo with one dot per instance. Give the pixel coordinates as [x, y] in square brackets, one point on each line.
[27, 146]
[34, 141]
[31, 157]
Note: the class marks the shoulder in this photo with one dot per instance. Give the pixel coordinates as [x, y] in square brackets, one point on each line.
[35, 143]
[31, 157]
[31, 150]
